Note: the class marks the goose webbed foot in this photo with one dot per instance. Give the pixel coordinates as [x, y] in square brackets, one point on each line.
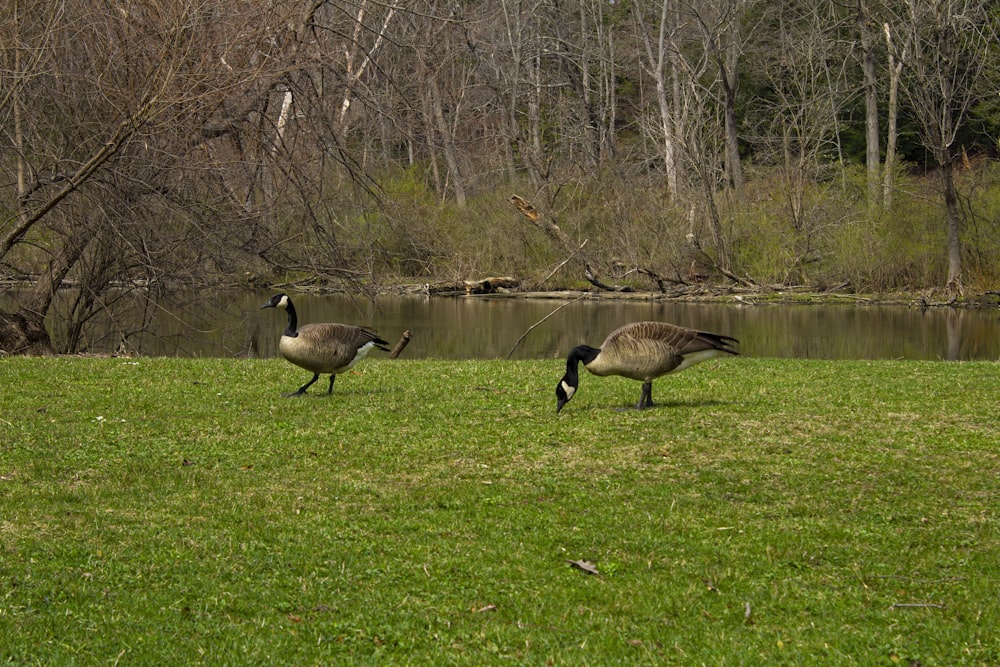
[301, 391]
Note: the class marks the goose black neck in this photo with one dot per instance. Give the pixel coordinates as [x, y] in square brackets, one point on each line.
[583, 353]
[293, 320]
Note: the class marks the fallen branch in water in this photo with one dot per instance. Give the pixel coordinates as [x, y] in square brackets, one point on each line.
[582, 296]
[401, 344]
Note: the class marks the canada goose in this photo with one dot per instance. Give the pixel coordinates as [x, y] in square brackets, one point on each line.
[642, 351]
[322, 348]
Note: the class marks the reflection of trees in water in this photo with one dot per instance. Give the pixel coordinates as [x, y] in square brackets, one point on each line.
[972, 334]
[229, 325]
[953, 325]
[877, 332]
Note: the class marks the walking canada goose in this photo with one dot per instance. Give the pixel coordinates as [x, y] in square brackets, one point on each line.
[322, 348]
[642, 351]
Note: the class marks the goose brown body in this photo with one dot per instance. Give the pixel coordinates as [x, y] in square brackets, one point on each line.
[323, 347]
[326, 347]
[643, 351]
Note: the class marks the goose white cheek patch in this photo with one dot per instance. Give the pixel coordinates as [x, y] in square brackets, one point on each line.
[569, 390]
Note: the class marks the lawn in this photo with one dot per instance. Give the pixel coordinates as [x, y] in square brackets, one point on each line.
[181, 511]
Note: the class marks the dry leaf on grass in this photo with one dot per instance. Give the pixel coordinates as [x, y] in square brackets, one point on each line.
[584, 565]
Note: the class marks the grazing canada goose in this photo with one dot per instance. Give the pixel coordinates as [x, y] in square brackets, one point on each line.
[322, 348]
[642, 351]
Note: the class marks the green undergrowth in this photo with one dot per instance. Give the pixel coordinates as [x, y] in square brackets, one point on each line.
[170, 511]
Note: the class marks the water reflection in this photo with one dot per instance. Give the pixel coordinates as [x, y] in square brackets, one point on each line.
[484, 328]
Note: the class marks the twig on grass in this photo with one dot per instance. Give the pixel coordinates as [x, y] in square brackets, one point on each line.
[524, 335]
[942, 580]
[916, 605]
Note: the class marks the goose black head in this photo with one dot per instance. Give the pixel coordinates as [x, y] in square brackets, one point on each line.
[571, 380]
[277, 301]
[564, 391]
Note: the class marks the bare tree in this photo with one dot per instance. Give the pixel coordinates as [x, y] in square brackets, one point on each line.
[721, 24]
[506, 46]
[660, 48]
[359, 57]
[87, 117]
[584, 43]
[806, 69]
[446, 77]
[950, 41]
[152, 170]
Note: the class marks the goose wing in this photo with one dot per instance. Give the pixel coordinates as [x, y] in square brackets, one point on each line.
[345, 336]
[328, 347]
[646, 350]
[681, 339]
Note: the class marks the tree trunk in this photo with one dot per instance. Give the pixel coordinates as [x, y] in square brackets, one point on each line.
[734, 168]
[730, 82]
[951, 50]
[536, 161]
[354, 73]
[609, 98]
[447, 143]
[722, 43]
[24, 333]
[577, 72]
[954, 283]
[507, 90]
[872, 147]
[658, 65]
[895, 72]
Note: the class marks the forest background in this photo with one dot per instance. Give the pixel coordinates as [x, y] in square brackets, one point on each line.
[153, 146]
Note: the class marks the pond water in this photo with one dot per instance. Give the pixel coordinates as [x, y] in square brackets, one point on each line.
[487, 328]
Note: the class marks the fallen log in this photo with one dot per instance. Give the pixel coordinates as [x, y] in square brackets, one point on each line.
[572, 250]
[490, 285]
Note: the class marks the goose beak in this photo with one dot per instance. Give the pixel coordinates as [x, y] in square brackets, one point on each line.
[267, 305]
[560, 403]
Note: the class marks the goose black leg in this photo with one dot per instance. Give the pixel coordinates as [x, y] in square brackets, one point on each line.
[333, 376]
[646, 400]
[302, 389]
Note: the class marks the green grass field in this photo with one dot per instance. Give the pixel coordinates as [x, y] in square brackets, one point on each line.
[169, 511]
